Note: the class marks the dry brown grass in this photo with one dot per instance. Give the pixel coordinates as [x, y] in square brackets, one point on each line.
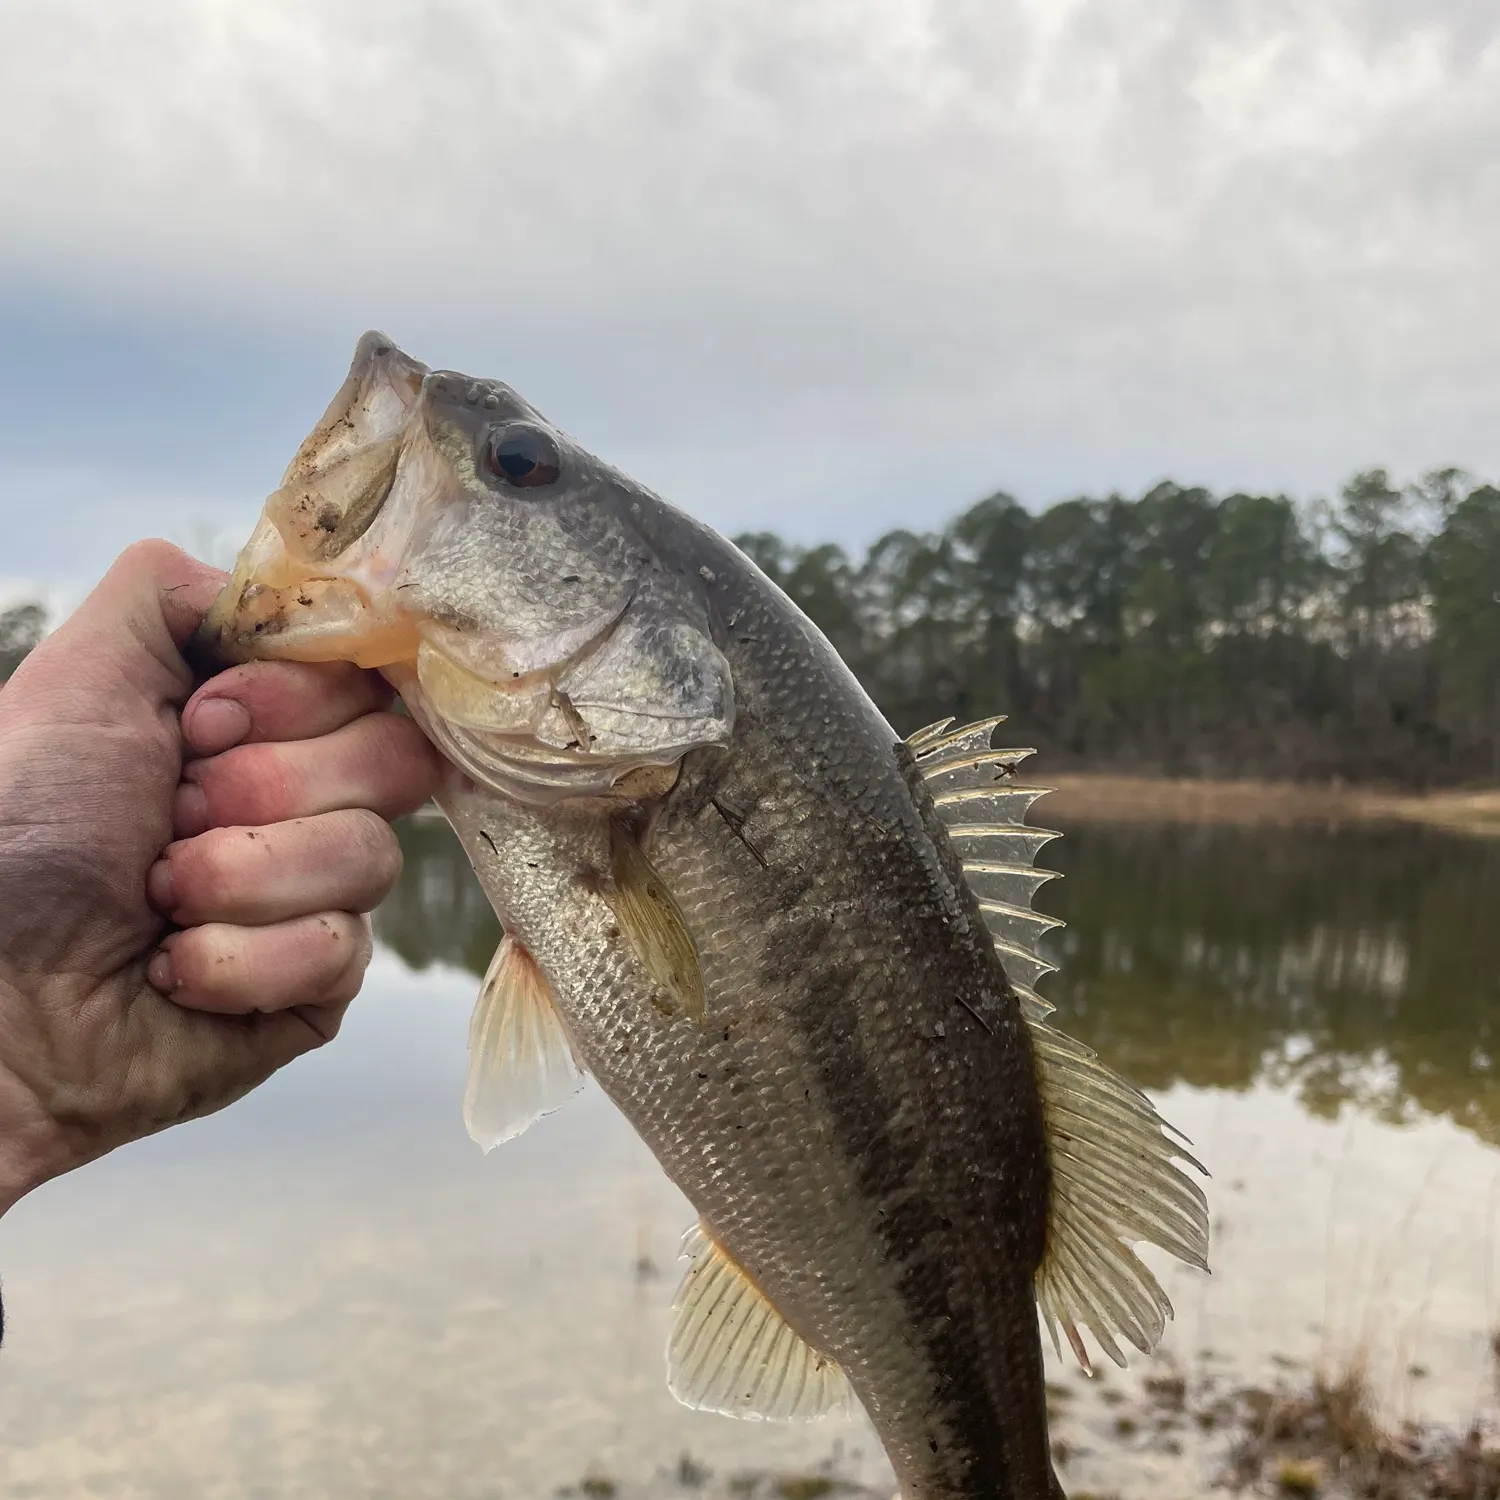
[1327, 1440]
[1085, 798]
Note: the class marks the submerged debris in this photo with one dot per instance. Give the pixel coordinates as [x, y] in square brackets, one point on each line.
[1318, 1435]
[1327, 1440]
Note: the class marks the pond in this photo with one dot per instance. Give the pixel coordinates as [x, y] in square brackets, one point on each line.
[328, 1291]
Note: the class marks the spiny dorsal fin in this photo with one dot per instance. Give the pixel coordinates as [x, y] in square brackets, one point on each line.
[732, 1352]
[521, 1062]
[1115, 1175]
[973, 788]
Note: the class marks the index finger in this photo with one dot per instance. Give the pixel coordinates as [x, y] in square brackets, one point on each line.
[278, 700]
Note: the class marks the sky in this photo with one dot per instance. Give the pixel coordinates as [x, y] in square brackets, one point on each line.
[825, 268]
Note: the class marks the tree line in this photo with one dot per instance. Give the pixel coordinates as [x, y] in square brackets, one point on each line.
[1180, 632]
[1187, 633]
[21, 627]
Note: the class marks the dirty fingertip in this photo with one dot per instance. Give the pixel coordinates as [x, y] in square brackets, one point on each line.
[161, 973]
[214, 724]
[189, 810]
[159, 890]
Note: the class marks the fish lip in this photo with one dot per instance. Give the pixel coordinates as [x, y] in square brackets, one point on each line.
[235, 630]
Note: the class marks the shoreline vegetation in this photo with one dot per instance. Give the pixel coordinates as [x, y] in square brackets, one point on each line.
[1184, 633]
[1179, 634]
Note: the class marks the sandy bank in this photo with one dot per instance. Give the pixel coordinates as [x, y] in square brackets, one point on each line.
[1085, 798]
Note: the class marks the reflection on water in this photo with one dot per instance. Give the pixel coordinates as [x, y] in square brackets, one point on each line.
[1360, 965]
[328, 1292]
[438, 913]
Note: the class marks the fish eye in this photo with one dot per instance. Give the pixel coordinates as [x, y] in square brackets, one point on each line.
[522, 455]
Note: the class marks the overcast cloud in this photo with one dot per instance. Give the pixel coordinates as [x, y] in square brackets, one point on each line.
[824, 267]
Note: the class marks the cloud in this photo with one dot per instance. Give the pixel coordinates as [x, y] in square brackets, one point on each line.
[825, 266]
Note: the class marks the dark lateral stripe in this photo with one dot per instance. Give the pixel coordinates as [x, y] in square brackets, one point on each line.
[826, 995]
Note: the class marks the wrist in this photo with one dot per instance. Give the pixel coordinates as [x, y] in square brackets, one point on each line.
[23, 1163]
[28, 1140]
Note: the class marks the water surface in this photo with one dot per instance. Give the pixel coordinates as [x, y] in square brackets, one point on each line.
[327, 1291]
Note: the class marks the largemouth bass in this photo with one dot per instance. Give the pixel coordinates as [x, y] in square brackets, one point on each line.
[795, 949]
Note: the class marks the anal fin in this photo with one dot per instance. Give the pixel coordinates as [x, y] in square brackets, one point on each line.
[521, 1060]
[732, 1352]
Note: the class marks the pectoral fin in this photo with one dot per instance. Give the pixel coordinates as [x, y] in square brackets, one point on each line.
[653, 922]
[732, 1352]
[521, 1060]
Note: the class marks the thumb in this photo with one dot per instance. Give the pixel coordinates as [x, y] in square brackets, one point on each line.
[130, 630]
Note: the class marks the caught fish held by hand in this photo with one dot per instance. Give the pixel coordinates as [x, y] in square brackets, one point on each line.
[795, 949]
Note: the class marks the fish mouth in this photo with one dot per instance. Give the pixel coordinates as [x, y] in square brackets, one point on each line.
[275, 607]
[509, 722]
[310, 584]
[536, 696]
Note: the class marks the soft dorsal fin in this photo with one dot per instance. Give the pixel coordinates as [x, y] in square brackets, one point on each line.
[1115, 1176]
[521, 1061]
[732, 1352]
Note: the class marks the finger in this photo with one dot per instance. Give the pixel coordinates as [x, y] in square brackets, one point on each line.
[382, 762]
[336, 861]
[316, 960]
[122, 643]
[278, 700]
[174, 592]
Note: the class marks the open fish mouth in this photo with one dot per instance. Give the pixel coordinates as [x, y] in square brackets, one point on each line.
[440, 530]
[311, 584]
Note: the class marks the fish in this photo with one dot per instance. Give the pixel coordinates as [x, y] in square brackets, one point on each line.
[795, 948]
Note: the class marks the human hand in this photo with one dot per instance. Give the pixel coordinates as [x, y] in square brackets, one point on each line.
[264, 852]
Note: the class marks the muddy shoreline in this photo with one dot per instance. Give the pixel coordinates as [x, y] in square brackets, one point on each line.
[1102, 797]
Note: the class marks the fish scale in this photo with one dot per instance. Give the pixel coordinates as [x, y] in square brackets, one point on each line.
[838, 1058]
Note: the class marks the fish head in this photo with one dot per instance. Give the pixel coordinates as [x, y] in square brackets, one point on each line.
[438, 527]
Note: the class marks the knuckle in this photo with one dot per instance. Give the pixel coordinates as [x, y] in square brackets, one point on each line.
[151, 556]
[207, 961]
[362, 950]
[340, 938]
[375, 848]
[196, 875]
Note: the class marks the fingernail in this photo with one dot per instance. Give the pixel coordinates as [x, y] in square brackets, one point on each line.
[161, 973]
[215, 724]
[159, 885]
[189, 810]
